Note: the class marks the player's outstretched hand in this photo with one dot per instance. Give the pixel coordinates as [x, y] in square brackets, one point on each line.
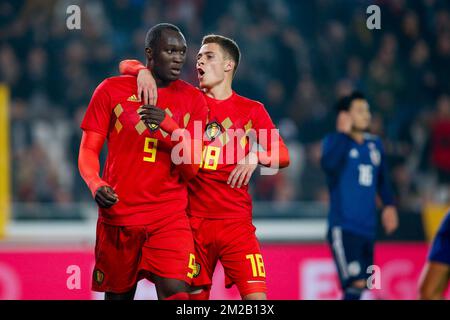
[389, 219]
[106, 197]
[243, 171]
[152, 115]
[344, 122]
[147, 89]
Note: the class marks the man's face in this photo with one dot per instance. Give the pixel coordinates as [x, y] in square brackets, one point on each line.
[360, 114]
[169, 55]
[212, 65]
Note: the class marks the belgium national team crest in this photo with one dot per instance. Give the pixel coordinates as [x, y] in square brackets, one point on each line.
[213, 130]
[99, 276]
[197, 270]
[152, 126]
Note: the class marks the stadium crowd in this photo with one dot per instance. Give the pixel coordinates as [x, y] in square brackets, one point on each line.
[298, 58]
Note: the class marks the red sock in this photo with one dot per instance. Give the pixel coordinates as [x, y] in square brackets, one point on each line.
[202, 295]
[178, 296]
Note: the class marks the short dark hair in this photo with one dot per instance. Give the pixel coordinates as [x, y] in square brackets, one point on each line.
[154, 34]
[228, 45]
[345, 102]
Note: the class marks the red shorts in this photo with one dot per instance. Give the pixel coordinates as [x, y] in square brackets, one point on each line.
[126, 254]
[234, 243]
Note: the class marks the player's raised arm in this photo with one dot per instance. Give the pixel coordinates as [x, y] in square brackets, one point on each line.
[147, 90]
[336, 145]
[334, 149]
[131, 67]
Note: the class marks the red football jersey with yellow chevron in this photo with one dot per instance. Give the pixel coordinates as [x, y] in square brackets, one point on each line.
[225, 144]
[138, 164]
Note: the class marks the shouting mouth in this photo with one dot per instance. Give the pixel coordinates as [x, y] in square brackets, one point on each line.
[200, 73]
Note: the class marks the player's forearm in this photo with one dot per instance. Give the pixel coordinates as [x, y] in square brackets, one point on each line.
[189, 162]
[334, 151]
[279, 159]
[188, 151]
[274, 153]
[130, 67]
[88, 160]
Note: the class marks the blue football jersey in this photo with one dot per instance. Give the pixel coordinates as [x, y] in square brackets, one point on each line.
[440, 250]
[356, 173]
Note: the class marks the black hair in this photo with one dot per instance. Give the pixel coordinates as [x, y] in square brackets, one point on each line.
[345, 102]
[154, 34]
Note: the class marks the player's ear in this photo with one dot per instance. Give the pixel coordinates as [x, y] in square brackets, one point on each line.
[149, 53]
[229, 65]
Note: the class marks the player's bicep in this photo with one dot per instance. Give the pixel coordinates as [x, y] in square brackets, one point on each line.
[130, 67]
[91, 140]
[334, 150]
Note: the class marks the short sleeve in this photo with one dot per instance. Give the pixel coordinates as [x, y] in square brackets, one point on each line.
[199, 112]
[98, 114]
[266, 131]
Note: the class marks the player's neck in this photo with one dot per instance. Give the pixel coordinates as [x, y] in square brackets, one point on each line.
[222, 91]
[358, 136]
[161, 83]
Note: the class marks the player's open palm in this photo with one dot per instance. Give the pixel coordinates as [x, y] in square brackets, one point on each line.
[106, 197]
[147, 88]
[243, 171]
[389, 219]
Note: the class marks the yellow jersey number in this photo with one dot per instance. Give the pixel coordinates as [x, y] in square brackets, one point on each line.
[150, 146]
[210, 158]
[257, 263]
[192, 266]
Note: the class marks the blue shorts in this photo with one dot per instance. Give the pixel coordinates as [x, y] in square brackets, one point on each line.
[352, 254]
[440, 250]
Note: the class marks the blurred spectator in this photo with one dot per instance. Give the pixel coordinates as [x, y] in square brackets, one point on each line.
[313, 182]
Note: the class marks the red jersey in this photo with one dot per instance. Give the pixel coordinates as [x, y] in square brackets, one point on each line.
[209, 194]
[138, 165]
